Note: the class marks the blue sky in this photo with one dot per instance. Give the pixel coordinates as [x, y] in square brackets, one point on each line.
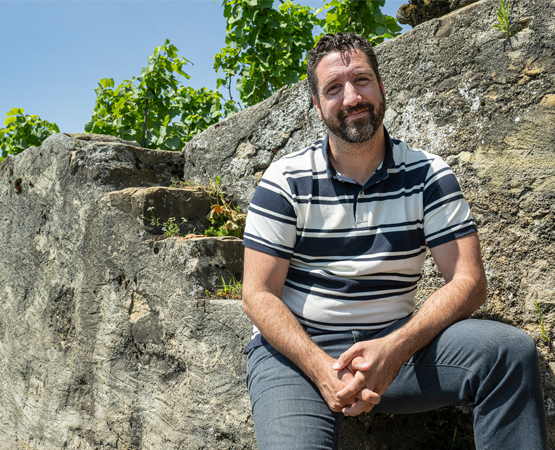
[55, 52]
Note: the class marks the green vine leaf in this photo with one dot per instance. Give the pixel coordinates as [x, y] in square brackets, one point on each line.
[175, 113]
[22, 131]
[266, 45]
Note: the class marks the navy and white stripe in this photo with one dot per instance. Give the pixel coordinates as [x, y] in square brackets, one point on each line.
[356, 252]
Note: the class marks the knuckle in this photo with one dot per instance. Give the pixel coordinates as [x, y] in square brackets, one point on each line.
[370, 397]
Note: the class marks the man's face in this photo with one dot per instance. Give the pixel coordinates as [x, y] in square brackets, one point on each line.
[351, 100]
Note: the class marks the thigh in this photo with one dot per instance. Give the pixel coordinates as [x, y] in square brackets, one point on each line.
[287, 407]
[452, 368]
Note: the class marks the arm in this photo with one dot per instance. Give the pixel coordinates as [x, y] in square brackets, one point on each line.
[465, 290]
[262, 288]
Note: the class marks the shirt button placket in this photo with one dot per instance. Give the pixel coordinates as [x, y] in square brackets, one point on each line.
[362, 210]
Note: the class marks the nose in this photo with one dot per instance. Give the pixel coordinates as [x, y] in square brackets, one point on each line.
[351, 96]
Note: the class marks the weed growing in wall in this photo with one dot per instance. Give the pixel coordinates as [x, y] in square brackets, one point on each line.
[543, 332]
[232, 289]
[170, 227]
[504, 24]
[226, 219]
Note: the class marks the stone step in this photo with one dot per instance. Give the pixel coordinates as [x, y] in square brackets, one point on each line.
[110, 161]
[187, 207]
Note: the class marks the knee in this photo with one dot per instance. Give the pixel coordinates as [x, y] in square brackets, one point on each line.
[514, 346]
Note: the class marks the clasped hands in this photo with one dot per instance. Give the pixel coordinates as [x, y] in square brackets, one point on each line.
[363, 373]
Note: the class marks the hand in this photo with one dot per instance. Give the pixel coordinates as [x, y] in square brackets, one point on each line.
[331, 381]
[375, 364]
[366, 399]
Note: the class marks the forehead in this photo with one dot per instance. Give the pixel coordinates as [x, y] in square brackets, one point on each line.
[338, 64]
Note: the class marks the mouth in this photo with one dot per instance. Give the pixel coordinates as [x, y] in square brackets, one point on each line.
[356, 114]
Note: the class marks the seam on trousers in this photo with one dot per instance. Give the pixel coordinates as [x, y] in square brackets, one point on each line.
[444, 365]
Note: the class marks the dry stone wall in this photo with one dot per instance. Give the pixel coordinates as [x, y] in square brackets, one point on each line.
[107, 339]
[416, 12]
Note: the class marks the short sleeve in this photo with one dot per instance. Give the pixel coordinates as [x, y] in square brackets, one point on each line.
[271, 220]
[447, 215]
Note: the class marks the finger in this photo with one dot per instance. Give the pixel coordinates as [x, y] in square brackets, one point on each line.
[357, 408]
[369, 396]
[346, 357]
[359, 363]
[338, 405]
[356, 384]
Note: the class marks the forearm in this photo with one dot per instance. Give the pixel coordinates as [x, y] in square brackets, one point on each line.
[262, 290]
[455, 301]
[282, 330]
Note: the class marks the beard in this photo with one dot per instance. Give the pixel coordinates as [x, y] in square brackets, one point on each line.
[357, 131]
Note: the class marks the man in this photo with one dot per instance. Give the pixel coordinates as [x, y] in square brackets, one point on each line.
[335, 242]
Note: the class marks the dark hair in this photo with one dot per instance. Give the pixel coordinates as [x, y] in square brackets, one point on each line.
[339, 42]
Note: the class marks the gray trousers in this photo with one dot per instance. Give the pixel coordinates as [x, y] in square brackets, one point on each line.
[489, 364]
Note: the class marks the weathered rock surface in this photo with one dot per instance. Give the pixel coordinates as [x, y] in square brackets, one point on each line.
[241, 147]
[107, 340]
[416, 12]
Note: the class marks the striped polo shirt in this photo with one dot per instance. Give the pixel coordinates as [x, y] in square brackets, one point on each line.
[356, 252]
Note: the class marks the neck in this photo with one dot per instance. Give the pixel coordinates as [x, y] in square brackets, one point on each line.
[357, 161]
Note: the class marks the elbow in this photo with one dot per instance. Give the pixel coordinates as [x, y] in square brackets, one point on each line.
[482, 289]
[245, 302]
[245, 306]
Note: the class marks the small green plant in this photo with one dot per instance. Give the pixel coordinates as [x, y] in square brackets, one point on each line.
[23, 131]
[226, 219]
[233, 289]
[503, 11]
[170, 228]
[542, 326]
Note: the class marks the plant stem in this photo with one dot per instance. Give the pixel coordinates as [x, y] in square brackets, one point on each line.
[144, 123]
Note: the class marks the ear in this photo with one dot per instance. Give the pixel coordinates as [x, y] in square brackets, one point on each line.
[383, 89]
[317, 105]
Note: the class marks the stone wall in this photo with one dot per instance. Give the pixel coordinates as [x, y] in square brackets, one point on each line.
[416, 12]
[108, 339]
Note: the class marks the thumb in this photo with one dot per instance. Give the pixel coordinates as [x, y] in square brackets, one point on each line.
[360, 364]
[346, 357]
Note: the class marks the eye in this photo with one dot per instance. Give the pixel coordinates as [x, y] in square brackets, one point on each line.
[333, 89]
[361, 80]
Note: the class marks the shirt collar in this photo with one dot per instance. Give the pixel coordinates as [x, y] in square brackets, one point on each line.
[380, 174]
